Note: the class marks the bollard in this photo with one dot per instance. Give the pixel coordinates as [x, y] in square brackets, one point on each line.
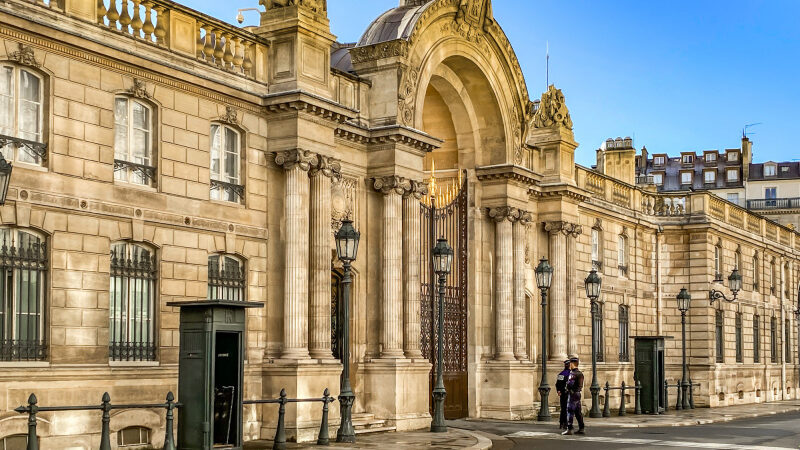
[324, 438]
[666, 396]
[637, 389]
[169, 439]
[607, 407]
[105, 435]
[279, 443]
[622, 400]
[691, 394]
[678, 403]
[32, 409]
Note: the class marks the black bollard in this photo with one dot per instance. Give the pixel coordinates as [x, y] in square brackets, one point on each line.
[32, 409]
[691, 394]
[279, 443]
[638, 390]
[622, 400]
[105, 435]
[666, 396]
[324, 438]
[169, 439]
[607, 406]
[678, 403]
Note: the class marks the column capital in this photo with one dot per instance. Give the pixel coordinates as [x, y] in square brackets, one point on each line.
[296, 158]
[416, 189]
[566, 228]
[392, 183]
[326, 166]
[502, 213]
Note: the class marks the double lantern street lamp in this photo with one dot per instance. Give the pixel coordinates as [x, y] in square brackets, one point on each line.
[442, 264]
[5, 177]
[544, 278]
[684, 303]
[346, 249]
[735, 285]
[593, 284]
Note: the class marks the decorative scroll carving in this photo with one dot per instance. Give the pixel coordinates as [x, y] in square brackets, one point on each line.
[502, 213]
[392, 183]
[405, 96]
[139, 89]
[298, 157]
[389, 49]
[343, 201]
[24, 56]
[567, 228]
[552, 110]
[327, 166]
[317, 6]
[417, 189]
[231, 116]
[476, 13]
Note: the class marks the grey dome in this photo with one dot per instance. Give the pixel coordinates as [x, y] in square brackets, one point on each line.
[396, 23]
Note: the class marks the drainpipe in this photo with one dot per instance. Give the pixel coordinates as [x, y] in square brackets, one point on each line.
[659, 318]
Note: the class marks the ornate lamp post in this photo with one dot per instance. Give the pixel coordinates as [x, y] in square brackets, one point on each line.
[684, 303]
[5, 178]
[544, 278]
[593, 284]
[735, 285]
[442, 263]
[346, 249]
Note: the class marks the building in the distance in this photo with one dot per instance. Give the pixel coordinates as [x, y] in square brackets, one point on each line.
[773, 189]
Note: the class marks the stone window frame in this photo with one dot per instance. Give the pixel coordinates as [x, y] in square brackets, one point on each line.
[756, 272]
[718, 263]
[773, 276]
[756, 339]
[238, 189]
[596, 257]
[149, 172]
[773, 342]
[624, 333]
[599, 338]
[786, 276]
[227, 280]
[719, 335]
[143, 440]
[787, 341]
[36, 146]
[623, 254]
[739, 337]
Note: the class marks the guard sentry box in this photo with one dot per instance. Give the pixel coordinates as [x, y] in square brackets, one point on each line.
[649, 351]
[210, 373]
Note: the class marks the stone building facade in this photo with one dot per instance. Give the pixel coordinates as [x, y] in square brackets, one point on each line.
[162, 155]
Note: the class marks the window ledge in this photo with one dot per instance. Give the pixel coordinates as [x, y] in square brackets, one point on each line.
[29, 166]
[134, 363]
[135, 186]
[227, 203]
[31, 364]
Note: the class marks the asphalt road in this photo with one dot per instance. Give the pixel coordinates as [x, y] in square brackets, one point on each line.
[774, 432]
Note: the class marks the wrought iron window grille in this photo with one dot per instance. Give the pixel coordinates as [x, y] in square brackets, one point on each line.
[719, 329]
[598, 331]
[756, 339]
[623, 270]
[148, 173]
[136, 277]
[37, 148]
[739, 353]
[624, 330]
[236, 189]
[773, 344]
[225, 282]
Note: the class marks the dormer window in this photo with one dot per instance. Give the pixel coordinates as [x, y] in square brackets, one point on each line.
[769, 170]
[733, 156]
[711, 157]
[687, 159]
[658, 160]
[710, 176]
[658, 179]
[732, 175]
[686, 178]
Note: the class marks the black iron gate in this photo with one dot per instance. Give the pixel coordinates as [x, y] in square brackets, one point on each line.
[444, 213]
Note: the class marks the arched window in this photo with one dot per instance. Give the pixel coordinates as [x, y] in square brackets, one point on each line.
[226, 180]
[21, 93]
[133, 436]
[133, 141]
[23, 268]
[132, 303]
[226, 278]
[14, 442]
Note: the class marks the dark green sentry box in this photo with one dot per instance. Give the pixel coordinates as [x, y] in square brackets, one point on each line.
[649, 353]
[210, 373]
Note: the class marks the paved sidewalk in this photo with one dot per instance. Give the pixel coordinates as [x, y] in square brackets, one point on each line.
[453, 439]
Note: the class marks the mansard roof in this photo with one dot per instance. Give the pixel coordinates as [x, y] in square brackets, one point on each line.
[396, 23]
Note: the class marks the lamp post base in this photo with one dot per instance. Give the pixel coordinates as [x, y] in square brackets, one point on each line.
[595, 413]
[544, 409]
[346, 431]
[437, 425]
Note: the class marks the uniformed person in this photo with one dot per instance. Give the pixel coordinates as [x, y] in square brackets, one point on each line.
[574, 389]
[563, 396]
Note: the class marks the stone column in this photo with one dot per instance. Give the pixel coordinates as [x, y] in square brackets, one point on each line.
[572, 232]
[411, 269]
[558, 291]
[504, 281]
[520, 312]
[392, 188]
[296, 164]
[319, 330]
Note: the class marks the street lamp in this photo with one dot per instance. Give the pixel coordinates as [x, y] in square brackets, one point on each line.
[5, 178]
[442, 263]
[735, 285]
[593, 284]
[684, 303]
[346, 249]
[544, 278]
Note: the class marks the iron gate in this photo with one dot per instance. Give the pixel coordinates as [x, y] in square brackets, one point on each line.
[449, 221]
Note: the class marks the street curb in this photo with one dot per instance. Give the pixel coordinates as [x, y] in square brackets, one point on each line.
[484, 443]
[692, 422]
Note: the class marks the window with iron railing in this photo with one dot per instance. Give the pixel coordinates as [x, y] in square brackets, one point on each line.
[21, 115]
[133, 142]
[756, 339]
[719, 330]
[597, 263]
[598, 331]
[624, 331]
[787, 342]
[23, 268]
[622, 255]
[739, 353]
[132, 303]
[226, 278]
[773, 340]
[226, 179]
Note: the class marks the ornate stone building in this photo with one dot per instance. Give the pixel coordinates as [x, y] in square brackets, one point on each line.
[163, 155]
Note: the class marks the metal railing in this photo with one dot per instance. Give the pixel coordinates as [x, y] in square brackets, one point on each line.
[622, 411]
[105, 406]
[774, 203]
[228, 191]
[279, 442]
[147, 173]
[677, 387]
[38, 149]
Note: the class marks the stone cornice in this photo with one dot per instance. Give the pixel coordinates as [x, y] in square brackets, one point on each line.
[396, 48]
[566, 228]
[507, 172]
[561, 190]
[300, 101]
[390, 135]
[296, 158]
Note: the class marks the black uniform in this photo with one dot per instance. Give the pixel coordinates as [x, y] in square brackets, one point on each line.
[563, 396]
[575, 387]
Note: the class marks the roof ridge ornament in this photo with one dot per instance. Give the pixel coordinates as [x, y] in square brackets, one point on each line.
[317, 6]
[552, 111]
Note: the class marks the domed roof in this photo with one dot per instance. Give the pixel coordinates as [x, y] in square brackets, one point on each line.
[396, 23]
[340, 57]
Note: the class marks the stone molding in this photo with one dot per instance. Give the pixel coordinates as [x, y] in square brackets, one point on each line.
[396, 48]
[397, 136]
[566, 228]
[24, 56]
[307, 103]
[327, 166]
[231, 116]
[298, 157]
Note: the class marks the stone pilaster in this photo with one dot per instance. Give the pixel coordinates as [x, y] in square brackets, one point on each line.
[572, 232]
[557, 297]
[411, 269]
[296, 164]
[504, 218]
[392, 188]
[319, 332]
[520, 313]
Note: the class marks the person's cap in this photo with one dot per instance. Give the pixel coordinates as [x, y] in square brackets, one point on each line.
[566, 361]
[574, 359]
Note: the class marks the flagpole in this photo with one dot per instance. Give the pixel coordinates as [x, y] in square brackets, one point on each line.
[548, 68]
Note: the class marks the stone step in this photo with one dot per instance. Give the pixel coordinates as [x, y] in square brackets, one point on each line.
[375, 430]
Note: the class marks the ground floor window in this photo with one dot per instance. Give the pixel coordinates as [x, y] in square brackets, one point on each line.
[624, 331]
[131, 303]
[739, 357]
[719, 330]
[598, 331]
[226, 278]
[756, 339]
[133, 436]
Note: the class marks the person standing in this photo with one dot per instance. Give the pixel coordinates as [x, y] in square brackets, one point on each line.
[574, 389]
[563, 396]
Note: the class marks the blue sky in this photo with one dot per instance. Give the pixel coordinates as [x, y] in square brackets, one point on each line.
[677, 76]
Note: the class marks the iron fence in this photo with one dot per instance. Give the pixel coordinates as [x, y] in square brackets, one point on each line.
[279, 441]
[622, 411]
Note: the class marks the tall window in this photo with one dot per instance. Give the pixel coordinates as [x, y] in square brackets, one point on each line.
[21, 115]
[226, 181]
[132, 303]
[739, 357]
[786, 277]
[719, 329]
[773, 274]
[756, 339]
[718, 262]
[756, 272]
[622, 256]
[624, 332]
[133, 141]
[226, 279]
[773, 340]
[598, 331]
[597, 261]
[23, 268]
[787, 342]
[737, 260]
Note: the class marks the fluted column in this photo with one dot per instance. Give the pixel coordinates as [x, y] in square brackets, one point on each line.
[411, 269]
[504, 281]
[296, 164]
[392, 189]
[520, 313]
[558, 291]
[319, 330]
[572, 232]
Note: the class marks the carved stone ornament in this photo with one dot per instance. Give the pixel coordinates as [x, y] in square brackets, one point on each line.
[416, 189]
[552, 110]
[393, 183]
[317, 6]
[298, 157]
[343, 195]
[502, 213]
[567, 228]
[405, 96]
[326, 166]
[476, 13]
[24, 56]
[231, 116]
[395, 48]
[139, 89]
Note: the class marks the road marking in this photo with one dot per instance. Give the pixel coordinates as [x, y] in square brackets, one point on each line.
[631, 441]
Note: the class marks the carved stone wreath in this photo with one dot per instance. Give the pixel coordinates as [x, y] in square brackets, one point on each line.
[24, 56]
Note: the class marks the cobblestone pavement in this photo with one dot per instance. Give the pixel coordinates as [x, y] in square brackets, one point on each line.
[453, 439]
